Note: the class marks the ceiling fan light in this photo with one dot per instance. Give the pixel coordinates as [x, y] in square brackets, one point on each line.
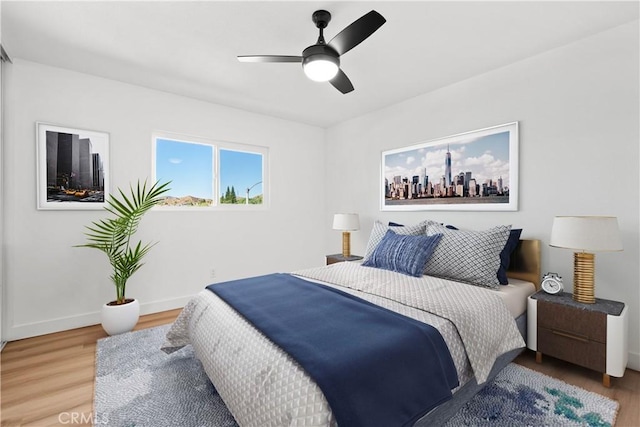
[320, 68]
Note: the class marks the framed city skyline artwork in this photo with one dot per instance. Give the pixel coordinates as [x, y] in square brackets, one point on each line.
[472, 171]
[73, 168]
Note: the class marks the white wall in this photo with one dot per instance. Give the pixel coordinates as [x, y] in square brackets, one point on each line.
[52, 286]
[2, 339]
[577, 107]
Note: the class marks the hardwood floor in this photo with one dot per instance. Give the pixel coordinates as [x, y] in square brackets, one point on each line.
[48, 380]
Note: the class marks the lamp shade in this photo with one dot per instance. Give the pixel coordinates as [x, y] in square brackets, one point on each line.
[586, 233]
[346, 222]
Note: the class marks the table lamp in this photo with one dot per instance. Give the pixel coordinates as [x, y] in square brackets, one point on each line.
[346, 222]
[585, 234]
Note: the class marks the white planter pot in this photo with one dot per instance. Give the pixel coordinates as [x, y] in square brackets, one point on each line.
[117, 319]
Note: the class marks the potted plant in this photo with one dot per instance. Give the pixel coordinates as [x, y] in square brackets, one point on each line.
[113, 236]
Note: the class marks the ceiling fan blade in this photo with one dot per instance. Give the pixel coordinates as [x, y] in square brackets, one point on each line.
[269, 58]
[342, 82]
[357, 32]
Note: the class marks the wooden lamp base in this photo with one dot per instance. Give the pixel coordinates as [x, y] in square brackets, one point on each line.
[583, 277]
[346, 244]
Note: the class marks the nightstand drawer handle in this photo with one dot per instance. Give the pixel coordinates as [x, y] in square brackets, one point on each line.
[573, 337]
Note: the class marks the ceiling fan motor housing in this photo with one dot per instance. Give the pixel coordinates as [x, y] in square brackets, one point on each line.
[316, 51]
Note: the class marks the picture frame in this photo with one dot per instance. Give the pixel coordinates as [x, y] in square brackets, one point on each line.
[470, 171]
[72, 168]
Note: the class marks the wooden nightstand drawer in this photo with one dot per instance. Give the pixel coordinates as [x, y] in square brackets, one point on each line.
[589, 324]
[574, 348]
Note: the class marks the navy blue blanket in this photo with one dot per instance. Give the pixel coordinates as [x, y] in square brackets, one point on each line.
[375, 367]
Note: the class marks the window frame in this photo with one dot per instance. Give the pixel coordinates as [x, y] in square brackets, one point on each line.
[216, 145]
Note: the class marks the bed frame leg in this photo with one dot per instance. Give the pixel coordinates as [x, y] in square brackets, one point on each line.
[538, 357]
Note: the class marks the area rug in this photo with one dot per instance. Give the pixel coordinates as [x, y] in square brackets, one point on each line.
[137, 385]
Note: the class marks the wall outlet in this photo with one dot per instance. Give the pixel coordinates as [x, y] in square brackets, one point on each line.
[212, 273]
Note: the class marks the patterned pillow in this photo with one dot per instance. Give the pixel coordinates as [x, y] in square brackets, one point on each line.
[466, 255]
[379, 230]
[402, 253]
[505, 255]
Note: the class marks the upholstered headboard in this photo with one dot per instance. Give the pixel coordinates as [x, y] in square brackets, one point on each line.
[525, 262]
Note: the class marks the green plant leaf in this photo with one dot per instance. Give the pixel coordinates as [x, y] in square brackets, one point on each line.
[113, 235]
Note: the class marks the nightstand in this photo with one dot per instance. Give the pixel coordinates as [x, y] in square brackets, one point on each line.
[332, 259]
[589, 335]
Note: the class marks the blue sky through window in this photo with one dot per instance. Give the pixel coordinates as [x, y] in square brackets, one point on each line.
[189, 167]
[241, 170]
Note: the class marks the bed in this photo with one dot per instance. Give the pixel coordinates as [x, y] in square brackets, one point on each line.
[263, 386]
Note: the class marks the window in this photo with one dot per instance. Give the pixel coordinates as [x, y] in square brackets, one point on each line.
[210, 174]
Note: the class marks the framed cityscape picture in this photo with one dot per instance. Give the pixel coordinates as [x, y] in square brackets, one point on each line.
[73, 168]
[474, 171]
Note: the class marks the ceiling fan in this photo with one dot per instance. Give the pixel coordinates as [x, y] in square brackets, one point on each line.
[321, 61]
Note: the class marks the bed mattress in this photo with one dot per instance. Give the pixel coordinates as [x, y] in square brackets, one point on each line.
[515, 295]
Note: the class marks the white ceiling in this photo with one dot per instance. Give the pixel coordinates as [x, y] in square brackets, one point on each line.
[190, 48]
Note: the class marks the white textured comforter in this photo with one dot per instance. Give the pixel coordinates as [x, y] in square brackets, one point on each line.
[262, 386]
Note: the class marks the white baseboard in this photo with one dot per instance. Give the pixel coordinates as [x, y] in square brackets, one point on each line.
[27, 330]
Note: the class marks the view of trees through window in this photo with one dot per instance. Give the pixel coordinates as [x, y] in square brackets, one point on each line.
[208, 174]
[240, 177]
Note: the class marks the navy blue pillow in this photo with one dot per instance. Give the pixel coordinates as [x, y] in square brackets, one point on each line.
[403, 253]
[505, 255]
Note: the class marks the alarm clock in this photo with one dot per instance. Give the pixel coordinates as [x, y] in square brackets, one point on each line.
[552, 283]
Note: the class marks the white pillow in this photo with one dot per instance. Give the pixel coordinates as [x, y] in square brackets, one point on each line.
[379, 230]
